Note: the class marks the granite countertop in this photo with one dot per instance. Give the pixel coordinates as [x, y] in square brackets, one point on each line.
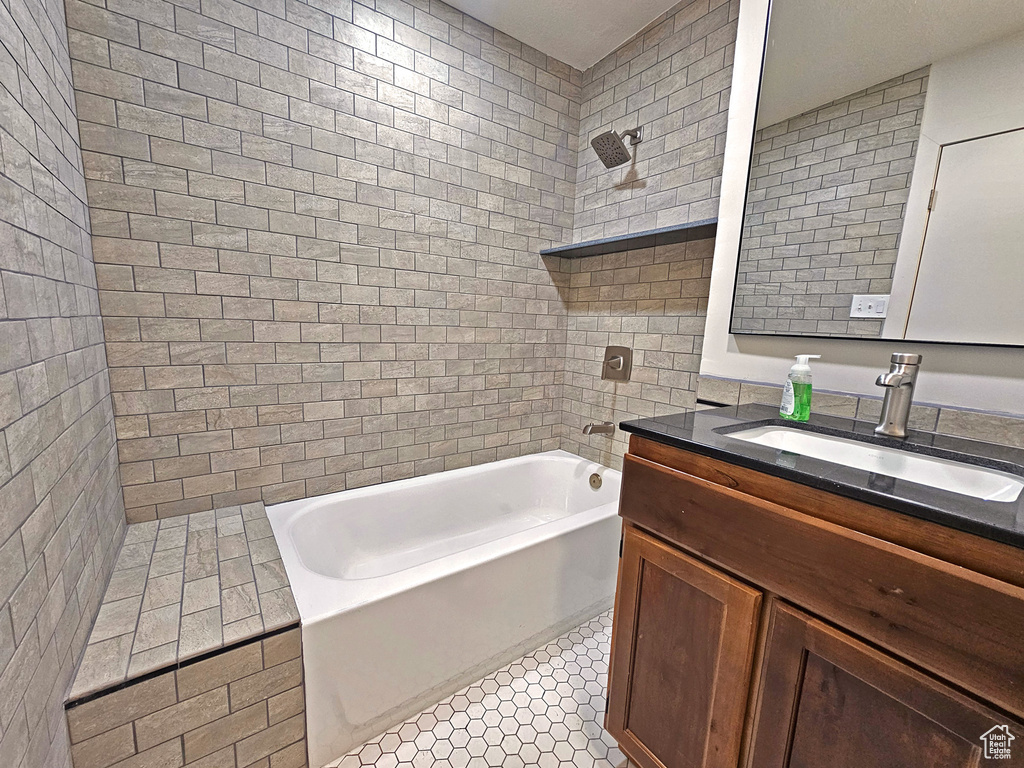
[184, 587]
[706, 432]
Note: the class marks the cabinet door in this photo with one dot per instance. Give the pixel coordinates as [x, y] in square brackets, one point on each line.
[682, 647]
[827, 700]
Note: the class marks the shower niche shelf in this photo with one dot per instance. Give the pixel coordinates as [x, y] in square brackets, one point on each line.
[695, 230]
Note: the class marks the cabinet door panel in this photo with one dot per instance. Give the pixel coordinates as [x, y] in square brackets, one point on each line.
[829, 701]
[682, 650]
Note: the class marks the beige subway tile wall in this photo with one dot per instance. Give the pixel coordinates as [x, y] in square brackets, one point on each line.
[673, 79]
[317, 229]
[825, 205]
[61, 518]
[241, 707]
[653, 300]
[317, 232]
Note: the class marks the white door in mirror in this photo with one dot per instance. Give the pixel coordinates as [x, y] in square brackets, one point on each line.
[971, 270]
[954, 476]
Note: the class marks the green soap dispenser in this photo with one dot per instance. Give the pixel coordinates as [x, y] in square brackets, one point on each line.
[796, 394]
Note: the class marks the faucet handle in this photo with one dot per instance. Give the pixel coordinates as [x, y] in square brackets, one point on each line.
[905, 358]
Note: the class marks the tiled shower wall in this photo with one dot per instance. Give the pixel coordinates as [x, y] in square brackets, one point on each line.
[61, 518]
[825, 205]
[673, 79]
[653, 300]
[317, 228]
[317, 232]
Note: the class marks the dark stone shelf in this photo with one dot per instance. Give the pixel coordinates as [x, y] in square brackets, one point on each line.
[696, 230]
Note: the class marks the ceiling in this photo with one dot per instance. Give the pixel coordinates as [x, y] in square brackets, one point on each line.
[578, 32]
[822, 50]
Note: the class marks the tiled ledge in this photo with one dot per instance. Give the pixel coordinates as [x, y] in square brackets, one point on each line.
[182, 588]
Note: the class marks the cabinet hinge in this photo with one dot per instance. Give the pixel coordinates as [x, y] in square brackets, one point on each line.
[620, 548]
[931, 200]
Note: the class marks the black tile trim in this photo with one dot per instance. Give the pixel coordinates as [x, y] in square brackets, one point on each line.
[696, 230]
[179, 665]
[715, 403]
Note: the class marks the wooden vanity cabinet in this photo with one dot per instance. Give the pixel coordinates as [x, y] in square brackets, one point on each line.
[828, 700]
[680, 666]
[764, 624]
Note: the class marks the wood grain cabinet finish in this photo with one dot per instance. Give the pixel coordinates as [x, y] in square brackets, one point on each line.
[829, 701]
[963, 626]
[882, 641]
[681, 658]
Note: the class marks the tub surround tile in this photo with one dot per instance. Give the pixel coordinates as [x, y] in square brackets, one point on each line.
[162, 591]
[128, 582]
[653, 300]
[300, 306]
[239, 603]
[200, 595]
[152, 659]
[204, 629]
[184, 587]
[62, 516]
[157, 627]
[356, 294]
[241, 707]
[105, 663]
[116, 618]
[673, 78]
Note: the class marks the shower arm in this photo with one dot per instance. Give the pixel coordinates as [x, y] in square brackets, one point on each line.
[635, 136]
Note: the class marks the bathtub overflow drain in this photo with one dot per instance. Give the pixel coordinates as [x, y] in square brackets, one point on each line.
[595, 481]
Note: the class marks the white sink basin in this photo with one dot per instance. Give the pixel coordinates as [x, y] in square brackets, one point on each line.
[966, 479]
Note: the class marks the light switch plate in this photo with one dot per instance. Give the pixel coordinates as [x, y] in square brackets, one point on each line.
[874, 306]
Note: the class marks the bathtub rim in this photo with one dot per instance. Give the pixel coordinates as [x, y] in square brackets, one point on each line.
[320, 597]
[311, 503]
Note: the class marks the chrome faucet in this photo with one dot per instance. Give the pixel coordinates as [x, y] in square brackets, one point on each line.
[899, 394]
[604, 428]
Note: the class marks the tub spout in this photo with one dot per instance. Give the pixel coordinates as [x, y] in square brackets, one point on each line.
[604, 428]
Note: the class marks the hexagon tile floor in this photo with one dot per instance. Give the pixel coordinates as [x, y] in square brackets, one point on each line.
[544, 709]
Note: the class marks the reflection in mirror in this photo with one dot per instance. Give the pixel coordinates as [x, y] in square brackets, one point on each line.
[886, 182]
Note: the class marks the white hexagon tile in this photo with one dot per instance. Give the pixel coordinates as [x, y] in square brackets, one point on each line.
[545, 709]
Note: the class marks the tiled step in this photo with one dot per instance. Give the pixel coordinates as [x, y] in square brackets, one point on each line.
[182, 588]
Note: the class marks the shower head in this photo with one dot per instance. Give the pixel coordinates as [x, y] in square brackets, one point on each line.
[612, 149]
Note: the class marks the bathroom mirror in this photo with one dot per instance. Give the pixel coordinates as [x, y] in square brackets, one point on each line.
[885, 198]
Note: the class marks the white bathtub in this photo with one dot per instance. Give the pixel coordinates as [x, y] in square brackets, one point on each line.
[410, 590]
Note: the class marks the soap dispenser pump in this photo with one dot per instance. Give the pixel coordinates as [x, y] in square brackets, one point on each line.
[796, 394]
